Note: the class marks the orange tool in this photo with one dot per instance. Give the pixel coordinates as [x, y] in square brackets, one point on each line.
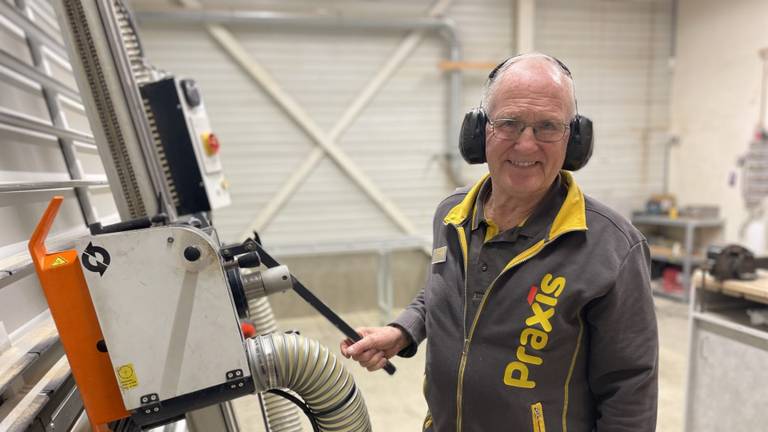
[72, 309]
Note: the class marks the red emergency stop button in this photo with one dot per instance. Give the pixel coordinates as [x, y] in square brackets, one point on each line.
[211, 143]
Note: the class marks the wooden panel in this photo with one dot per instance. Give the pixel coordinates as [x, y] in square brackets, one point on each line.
[754, 290]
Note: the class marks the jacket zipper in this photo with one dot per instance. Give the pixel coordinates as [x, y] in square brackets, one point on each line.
[465, 346]
[468, 339]
[537, 417]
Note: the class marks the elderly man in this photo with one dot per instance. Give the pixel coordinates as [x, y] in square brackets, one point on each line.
[537, 310]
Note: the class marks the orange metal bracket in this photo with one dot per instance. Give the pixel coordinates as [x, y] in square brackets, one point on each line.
[72, 309]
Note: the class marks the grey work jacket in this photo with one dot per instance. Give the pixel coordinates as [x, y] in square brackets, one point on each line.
[564, 338]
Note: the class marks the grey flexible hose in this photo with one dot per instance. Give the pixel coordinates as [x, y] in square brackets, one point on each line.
[260, 313]
[282, 415]
[311, 371]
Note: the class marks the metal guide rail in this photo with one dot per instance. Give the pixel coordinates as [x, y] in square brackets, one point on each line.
[36, 389]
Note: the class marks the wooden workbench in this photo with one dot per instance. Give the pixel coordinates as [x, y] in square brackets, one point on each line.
[754, 290]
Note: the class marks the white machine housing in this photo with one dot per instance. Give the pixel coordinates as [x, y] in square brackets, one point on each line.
[172, 320]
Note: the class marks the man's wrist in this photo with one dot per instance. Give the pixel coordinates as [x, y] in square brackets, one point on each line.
[407, 340]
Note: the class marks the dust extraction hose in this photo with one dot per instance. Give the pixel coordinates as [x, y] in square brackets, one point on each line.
[281, 414]
[311, 371]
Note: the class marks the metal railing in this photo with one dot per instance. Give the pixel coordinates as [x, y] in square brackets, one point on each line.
[383, 247]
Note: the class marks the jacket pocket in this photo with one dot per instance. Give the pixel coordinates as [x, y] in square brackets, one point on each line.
[537, 417]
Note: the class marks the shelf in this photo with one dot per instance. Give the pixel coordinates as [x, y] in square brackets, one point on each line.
[678, 222]
[663, 253]
[688, 256]
[656, 286]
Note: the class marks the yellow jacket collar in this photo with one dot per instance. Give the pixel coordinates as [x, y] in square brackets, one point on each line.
[571, 216]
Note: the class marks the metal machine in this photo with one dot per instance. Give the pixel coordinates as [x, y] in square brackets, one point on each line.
[149, 310]
[148, 317]
[154, 139]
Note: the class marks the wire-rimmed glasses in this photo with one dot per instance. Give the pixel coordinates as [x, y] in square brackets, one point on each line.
[543, 130]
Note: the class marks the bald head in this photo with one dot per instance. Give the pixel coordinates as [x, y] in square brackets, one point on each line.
[531, 71]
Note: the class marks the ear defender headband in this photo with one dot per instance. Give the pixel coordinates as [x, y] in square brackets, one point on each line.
[472, 135]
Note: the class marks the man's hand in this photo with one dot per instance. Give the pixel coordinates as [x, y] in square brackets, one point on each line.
[377, 345]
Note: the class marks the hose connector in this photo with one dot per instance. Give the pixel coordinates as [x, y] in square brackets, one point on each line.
[262, 283]
[261, 358]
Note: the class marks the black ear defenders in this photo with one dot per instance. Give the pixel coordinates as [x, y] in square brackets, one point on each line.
[472, 135]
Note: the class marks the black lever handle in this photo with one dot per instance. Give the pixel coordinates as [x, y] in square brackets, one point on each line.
[318, 304]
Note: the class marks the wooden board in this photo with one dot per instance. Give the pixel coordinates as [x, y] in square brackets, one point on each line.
[754, 290]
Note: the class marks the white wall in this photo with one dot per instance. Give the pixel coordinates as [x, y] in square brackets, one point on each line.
[715, 100]
[618, 51]
[397, 141]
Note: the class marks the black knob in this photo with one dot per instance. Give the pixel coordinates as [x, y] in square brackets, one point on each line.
[191, 94]
[249, 260]
[192, 253]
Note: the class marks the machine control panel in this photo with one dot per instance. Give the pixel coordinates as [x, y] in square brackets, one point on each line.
[189, 148]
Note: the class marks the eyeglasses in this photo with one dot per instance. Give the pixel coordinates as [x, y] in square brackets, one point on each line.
[544, 130]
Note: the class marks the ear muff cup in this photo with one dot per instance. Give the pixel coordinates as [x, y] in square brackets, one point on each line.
[472, 140]
[472, 136]
[580, 144]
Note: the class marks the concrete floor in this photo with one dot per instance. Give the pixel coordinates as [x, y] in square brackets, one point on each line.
[396, 403]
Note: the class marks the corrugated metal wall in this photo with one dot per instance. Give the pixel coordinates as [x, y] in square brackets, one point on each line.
[397, 141]
[618, 50]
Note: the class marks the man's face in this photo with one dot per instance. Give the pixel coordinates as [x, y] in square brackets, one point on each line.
[526, 167]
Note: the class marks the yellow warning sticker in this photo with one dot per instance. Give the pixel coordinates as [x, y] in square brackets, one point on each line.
[126, 376]
[59, 261]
